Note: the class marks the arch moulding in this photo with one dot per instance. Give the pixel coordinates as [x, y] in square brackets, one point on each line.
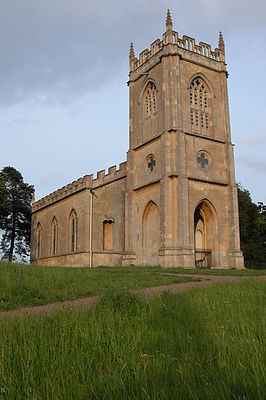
[205, 80]
[144, 85]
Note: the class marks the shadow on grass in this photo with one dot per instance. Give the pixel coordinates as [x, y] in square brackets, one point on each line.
[202, 344]
[192, 358]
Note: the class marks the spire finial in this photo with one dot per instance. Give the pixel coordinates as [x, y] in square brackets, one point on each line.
[131, 52]
[221, 43]
[169, 23]
[33, 196]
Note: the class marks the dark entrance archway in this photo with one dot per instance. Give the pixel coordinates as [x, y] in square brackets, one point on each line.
[205, 235]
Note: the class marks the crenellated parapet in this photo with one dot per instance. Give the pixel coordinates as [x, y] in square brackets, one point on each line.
[112, 175]
[86, 182]
[65, 191]
[185, 46]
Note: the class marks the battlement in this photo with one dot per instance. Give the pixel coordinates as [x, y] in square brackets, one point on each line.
[86, 182]
[184, 46]
[113, 174]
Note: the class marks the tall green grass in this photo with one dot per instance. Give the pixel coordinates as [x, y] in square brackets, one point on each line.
[218, 271]
[206, 343]
[22, 285]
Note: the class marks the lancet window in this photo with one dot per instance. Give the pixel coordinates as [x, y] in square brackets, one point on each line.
[39, 240]
[73, 234]
[199, 107]
[54, 236]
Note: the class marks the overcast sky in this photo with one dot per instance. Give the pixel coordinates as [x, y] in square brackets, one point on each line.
[63, 74]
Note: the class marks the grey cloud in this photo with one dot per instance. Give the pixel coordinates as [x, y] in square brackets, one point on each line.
[55, 49]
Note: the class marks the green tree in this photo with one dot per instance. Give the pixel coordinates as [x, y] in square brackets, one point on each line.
[252, 221]
[3, 197]
[15, 214]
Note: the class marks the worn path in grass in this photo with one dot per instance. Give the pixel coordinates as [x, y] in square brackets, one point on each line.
[203, 280]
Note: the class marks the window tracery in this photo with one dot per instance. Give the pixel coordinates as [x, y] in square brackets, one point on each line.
[150, 100]
[199, 108]
[150, 163]
[204, 160]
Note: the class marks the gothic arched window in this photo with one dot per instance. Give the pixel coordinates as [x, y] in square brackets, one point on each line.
[73, 231]
[199, 107]
[39, 240]
[54, 237]
[150, 100]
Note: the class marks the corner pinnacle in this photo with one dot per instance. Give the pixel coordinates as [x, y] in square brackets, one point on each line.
[221, 43]
[131, 52]
[169, 23]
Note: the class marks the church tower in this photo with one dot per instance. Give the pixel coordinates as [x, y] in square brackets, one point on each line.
[181, 206]
[174, 201]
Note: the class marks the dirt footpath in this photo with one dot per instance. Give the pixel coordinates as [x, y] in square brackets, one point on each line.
[204, 280]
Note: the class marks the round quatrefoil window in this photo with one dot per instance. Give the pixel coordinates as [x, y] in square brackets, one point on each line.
[150, 163]
[203, 160]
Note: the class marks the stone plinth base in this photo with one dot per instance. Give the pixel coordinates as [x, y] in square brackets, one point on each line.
[236, 260]
[129, 259]
[176, 258]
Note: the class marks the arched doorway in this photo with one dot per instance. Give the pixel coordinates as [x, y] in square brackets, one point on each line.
[151, 235]
[205, 236]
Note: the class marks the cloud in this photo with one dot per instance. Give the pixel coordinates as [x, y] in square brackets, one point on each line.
[55, 49]
[58, 48]
[64, 64]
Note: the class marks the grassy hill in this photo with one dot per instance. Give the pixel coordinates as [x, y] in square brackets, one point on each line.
[206, 343]
[24, 285]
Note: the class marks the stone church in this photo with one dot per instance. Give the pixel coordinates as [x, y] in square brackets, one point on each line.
[173, 202]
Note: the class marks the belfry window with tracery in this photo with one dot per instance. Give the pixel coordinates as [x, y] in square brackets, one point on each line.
[199, 108]
[150, 99]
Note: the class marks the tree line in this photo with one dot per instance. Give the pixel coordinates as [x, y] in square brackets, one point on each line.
[15, 220]
[252, 221]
